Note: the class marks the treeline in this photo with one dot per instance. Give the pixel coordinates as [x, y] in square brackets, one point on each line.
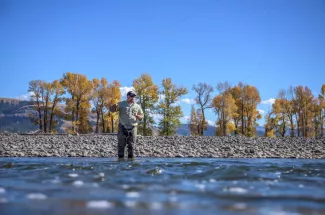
[235, 107]
[297, 112]
[84, 98]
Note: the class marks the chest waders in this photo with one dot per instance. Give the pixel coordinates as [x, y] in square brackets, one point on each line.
[126, 136]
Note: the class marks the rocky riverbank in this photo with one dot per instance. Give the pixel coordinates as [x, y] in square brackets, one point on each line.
[15, 145]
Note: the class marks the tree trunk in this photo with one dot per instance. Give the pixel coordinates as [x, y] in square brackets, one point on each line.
[322, 125]
[77, 115]
[45, 115]
[97, 121]
[112, 122]
[40, 121]
[242, 117]
[52, 115]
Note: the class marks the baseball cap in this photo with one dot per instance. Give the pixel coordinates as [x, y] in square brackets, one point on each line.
[131, 93]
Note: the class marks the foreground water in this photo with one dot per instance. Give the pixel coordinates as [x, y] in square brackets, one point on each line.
[161, 186]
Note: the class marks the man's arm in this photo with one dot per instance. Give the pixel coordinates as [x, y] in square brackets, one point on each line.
[139, 115]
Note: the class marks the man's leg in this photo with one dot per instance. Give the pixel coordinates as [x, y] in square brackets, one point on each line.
[131, 141]
[121, 142]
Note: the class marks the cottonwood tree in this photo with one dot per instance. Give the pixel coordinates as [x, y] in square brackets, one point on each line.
[225, 108]
[147, 94]
[322, 112]
[58, 91]
[99, 97]
[194, 122]
[80, 89]
[246, 98]
[36, 90]
[170, 111]
[303, 101]
[203, 99]
[114, 96]
[45, 97]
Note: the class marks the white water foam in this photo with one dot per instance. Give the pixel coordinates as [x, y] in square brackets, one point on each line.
[73, 175]
[78, 183]
[237, 190]
[102, 204]
[36, 196]
[133, 195]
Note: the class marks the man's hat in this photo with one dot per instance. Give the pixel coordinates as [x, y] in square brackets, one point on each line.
[131, 93]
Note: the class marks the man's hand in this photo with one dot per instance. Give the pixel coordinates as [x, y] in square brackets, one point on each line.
[139, 117]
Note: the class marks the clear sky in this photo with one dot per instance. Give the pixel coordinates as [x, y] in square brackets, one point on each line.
[270, 44]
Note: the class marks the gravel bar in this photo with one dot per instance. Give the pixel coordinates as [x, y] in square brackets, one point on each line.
[16, 145]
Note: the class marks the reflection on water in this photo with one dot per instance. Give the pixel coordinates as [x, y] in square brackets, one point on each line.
[161, 186]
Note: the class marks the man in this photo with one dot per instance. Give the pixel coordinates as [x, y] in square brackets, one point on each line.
[130, 113]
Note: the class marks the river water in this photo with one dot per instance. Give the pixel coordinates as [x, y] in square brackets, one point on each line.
[32, 186]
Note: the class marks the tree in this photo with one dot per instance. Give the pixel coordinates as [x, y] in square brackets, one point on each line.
[35, 87]
[80, 89]
[114, 96]
[252, 99]
[225, 108]
[99, 97]
[303, 102]
[280, 116]
[246, 99]
[171, 113]
[147, 93]
[58, 91]
[321, 98]
[45, 97]
[270, 125]
[203, 99]
[194, 122]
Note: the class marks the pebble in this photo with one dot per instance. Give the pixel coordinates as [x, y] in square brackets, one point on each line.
[176, 146]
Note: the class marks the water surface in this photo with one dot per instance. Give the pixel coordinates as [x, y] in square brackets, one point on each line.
[161, 186]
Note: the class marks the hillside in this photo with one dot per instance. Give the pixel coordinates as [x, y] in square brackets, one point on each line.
[14, 115]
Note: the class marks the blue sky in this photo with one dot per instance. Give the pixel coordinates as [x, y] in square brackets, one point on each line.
[268, 44]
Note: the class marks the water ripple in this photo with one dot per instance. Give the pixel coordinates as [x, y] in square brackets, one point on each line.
[166, 185]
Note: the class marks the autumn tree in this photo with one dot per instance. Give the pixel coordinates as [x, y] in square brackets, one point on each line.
[203, 99]
[58, 91]
[114, 96]
[80, 89]
[246, 99]
[36, 90]
[321, 98]
[280, 120]
[194, 122]
[100, 96]
[252, 99]
[270, 125]
[225, 108]
[303, 101]
[238, 94]
[45, 97]
[170, 111]
[147, 94]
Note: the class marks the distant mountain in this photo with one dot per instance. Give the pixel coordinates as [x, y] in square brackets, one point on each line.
[260, 131]
[14, 116]
[184, 130]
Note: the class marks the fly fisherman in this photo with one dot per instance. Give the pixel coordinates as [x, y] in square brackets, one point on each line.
[130, 113]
